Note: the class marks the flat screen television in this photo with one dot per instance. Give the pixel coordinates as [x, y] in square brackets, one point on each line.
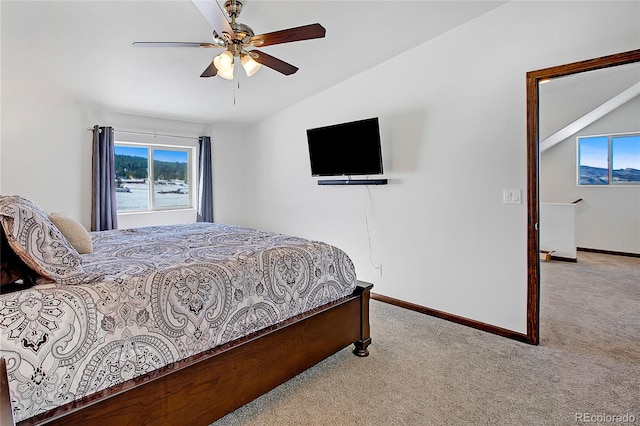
[346, 149]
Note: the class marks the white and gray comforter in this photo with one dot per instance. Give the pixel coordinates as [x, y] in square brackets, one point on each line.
[152, 296]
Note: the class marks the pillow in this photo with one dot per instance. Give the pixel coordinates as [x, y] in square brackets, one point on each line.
[37, 241]
[73, 231]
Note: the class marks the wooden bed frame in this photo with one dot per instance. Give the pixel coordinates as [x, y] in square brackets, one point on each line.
[207, 386]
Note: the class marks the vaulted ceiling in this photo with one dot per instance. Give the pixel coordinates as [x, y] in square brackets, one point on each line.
[569, 104]
[83, 50]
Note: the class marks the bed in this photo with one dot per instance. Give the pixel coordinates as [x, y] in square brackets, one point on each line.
[176, 324]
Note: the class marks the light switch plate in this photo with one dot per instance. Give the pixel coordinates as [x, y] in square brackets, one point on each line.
[512, 196]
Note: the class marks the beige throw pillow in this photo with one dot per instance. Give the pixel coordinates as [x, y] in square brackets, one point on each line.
[73, 231]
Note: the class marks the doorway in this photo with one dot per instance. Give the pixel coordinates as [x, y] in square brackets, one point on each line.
[533, 80]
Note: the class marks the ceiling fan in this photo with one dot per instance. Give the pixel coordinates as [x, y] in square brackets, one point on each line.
[236, 38]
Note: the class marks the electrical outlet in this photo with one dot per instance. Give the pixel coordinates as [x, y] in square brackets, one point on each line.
[378, 269]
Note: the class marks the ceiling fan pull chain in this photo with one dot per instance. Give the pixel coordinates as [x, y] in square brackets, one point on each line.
[234, 91]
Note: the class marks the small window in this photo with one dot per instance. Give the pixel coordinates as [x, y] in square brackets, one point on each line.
[609, 160]
[625, 159]
[152, 177]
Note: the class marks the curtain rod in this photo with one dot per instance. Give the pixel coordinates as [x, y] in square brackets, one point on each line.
[148, 134]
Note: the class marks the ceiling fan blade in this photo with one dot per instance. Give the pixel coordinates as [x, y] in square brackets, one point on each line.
[273, 63]
[214, 14]
[210, 71]
[172, 44]
[304, 32]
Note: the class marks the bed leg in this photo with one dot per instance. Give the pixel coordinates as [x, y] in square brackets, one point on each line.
[361, 347]
[365, 337]
[6, 412]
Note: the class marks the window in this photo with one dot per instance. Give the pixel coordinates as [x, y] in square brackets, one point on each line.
[153, 177]
[609, 159]
[625, 159]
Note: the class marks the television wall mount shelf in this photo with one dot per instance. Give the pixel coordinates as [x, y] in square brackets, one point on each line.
[353, 182]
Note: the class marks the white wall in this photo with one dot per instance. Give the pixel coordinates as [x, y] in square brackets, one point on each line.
[452, 114]
[558, 229]
[608, 218]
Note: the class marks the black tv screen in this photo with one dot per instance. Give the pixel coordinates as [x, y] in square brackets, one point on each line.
[346, 149]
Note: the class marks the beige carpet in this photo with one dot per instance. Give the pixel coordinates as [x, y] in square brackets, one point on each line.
[426, 371]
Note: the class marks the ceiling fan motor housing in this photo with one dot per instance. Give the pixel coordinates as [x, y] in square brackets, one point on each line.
[243, 32]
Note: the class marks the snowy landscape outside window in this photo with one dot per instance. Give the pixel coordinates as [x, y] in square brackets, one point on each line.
[152, 177]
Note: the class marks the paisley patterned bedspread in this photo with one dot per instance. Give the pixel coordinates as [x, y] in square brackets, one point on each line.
[152, 296]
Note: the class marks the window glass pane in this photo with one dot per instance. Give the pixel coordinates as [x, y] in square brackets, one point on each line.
[171, 178]
[132, 178]
[625, 158]
[593, 155]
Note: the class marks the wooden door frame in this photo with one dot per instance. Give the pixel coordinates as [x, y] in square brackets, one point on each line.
[533, 153]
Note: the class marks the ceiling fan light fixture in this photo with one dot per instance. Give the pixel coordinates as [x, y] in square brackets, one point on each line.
[224, 61]
[227, 74]
[250, 65]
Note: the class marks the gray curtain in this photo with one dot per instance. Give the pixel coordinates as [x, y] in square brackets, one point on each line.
[205, 181]
[104, 213]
